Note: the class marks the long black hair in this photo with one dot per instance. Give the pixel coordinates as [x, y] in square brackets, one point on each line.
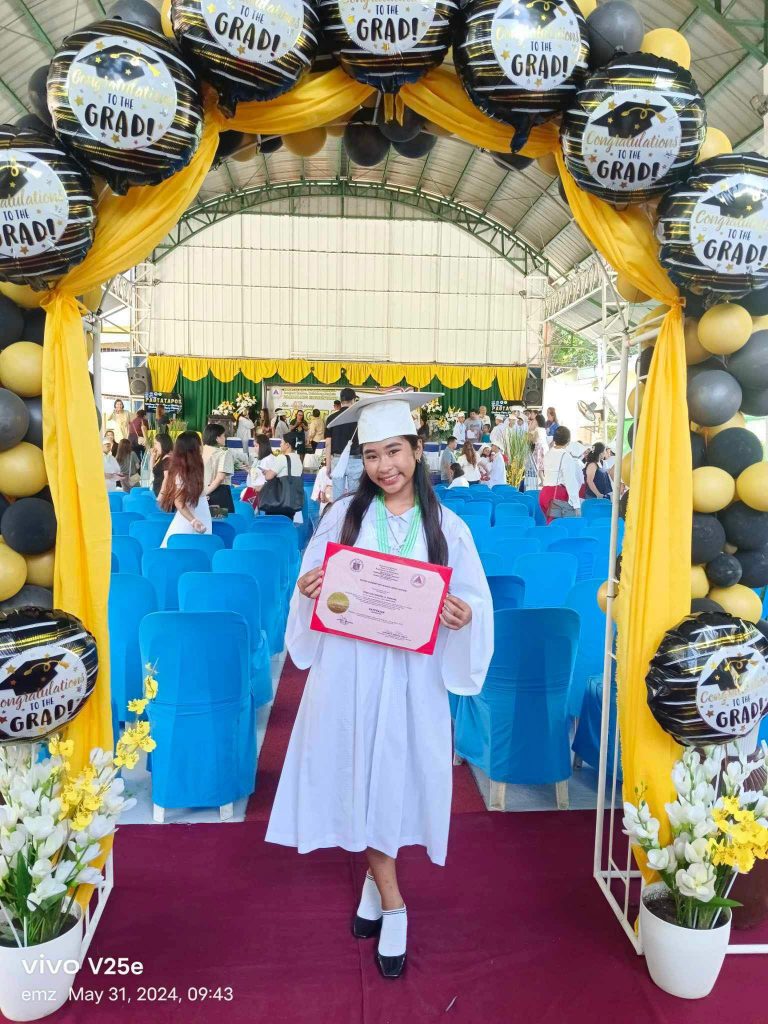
[431, 516]
[594, 453]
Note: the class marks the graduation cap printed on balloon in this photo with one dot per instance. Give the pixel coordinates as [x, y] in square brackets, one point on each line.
[46, 208]
[387, 45]
[635, 129]
[521, 61]
[125, 102]
[708, 681]
[255, 51]
[713, 227]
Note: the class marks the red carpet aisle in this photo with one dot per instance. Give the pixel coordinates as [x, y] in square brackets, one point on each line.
[512, 930]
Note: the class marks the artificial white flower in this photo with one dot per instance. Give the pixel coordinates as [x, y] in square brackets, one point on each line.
[39, 827]
[4, 869]
[48, 887]
[9, 815]
[677, 814]
[89, 876]
[662, 859]
[41, 868]
[680, 843]
[100, 759]
[696, 882]
[13, 842]
[100, 826]
[697, 852]
[64, 871]
[54, 842]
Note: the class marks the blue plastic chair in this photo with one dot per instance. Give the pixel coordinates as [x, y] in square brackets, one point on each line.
[595, 508]
[546, 535]
[122, 522]
[457, 494]
[479, 492]
[510, 510]
[163, 567]
[139, 500]
[586, 742]
[511, 549]
[115, 501]
[482, 510]
[516, 729]
[568, 527]
[507, 591]
[514, 529]
[203, 719]
[281, 544]
[261, 569]
[127, 551]
[242, 508]
[493, 563]
[233, 592]
[131, 597]
[150, 533]
[549, 577]
[225, 531]
[114, 565]
[504, 497]
[586, 550]
[205, 542]
[589, 657]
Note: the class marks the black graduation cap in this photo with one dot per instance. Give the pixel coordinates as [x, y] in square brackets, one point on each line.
[12, 178]
[543, 12]
[118, 62]
[630, 118]
[737, 203]
[727, 674]
[33, 675]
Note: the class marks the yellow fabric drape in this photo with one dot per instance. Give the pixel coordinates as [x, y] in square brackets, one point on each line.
[317, 100]
[656, 556]
[165, 370]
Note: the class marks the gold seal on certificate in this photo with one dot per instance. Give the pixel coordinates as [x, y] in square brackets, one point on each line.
[380, 598]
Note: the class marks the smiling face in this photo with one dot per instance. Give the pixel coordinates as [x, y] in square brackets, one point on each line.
[119, 407]
[391, 464]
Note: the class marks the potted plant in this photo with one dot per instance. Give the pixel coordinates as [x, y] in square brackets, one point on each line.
[719, 829]
[517, 449]
[53, 821]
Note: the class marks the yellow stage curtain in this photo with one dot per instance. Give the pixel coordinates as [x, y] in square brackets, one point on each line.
[317, 100]
[656, 557]
[165, 370]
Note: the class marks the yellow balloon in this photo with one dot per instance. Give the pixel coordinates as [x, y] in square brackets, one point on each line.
[22, 471]
[759, 323]
[626, 467]
[738, 600]
[752, 486]
[40, 569]
[586, 7]
[548, 164]
[666, 42]
[92, 299]
[628, 291]
[737, 420]
[165, 19]
[642, 324]
[89, 343]
[335, 130]
[13, 572]
[694, 350]
[306, 143]
[22, 295]
[724, 328]
[437, 129]
[602, 595]
[715, 144]
[699, 582]
[636, 395]
[21, 368]
[713, 489]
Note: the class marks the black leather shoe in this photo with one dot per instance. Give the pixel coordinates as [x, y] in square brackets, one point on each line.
[390, 966]
[362, 928]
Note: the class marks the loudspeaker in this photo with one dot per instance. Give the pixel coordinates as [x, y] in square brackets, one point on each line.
[533, 393]
[139, 380]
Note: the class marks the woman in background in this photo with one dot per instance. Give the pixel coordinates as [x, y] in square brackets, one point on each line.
[130, 467]
[219, 465]
[458, 479]
[244, 431]
[484, 463]
[264, 427]
[596, 479]
[160, 461]
[137, 432]
[551, 423]
[299, 428]
[256, 478]
[111, 466]
[109, 435]
[182, 491]
[118, 421]
[469, 463]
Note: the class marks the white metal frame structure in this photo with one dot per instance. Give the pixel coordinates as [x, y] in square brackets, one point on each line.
[94, 910]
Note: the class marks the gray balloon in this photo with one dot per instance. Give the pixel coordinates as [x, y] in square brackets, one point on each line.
[29, 596]
[14, 419]
[34, 434]
[613, 28]
[754, 401]
[713, 397]
[750, 364]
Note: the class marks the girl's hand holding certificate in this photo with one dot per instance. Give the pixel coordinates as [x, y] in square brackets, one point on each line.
[310, 583]
[455, 613]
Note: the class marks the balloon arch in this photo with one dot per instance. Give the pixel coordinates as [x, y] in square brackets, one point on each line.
[138, 111]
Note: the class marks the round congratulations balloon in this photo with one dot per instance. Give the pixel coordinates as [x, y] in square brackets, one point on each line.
[253, 51]
[46, 208]
[387, 45]
[713, 227]
[125, 103]
[708, 681]
[635, 128]
[521, 61]
[48, 666]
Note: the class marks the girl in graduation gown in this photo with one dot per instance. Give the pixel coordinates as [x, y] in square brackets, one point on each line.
[369, 764]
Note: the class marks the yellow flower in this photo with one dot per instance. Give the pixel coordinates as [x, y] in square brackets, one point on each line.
[58, 747]
[730, 805]
[150, 687]
[137, 705]
[81, 821]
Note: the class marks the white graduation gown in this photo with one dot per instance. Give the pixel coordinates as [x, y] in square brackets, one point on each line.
[369, 762]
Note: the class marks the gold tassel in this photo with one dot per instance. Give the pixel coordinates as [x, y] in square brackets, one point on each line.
[399, 108]
[389, 107]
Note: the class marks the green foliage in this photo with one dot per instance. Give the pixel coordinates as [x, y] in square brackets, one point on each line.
[571, 350]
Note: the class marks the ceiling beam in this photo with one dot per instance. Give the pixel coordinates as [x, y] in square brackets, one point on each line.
[39, 32]
[23, 108]
[709, 9]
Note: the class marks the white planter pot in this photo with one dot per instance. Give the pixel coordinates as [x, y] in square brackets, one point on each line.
[29, 994]
[682, 961]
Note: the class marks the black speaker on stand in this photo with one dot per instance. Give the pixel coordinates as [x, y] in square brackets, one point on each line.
[139, 381]
[533, 392]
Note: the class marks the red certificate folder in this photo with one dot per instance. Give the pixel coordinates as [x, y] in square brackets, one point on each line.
[381, 599]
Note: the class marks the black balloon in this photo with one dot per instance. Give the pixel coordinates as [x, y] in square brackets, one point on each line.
[387, 46]
[635, 128]
[229, 142]
[511, 161]
[34, 123]
[248, 51]
[11, 322]
[713, 228]
[416, 147]
[704, 604]
[412, 125]
[762, 625]
[521, 63]
[37, 92]
[95, 74]
[29, 526]
[614, 28]
[271, 144]
[34, 326]
[723, 571]
[50, 208]
[749, 365]
[364, 144]
[708, 681]
[754, 567]
[29, 597]
[754, 401]
[733, 450]
[48, 663]
[631, 435]
[714, 397]
[745, 527]
[643, 366]
[624, 504]
[707, 538]
[14, 419]
[698, 450]
[137, 12]
[756, 303]
[694, 304]
[34, 434]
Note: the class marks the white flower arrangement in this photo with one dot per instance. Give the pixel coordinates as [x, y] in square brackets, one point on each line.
[223, 409]
[433, 408]
[718, 830]
[244, 402]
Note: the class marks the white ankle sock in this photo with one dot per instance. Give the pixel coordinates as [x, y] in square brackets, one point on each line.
[370, 901]
[394, 932]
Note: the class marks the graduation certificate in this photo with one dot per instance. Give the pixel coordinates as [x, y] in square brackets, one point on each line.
[381, 598]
